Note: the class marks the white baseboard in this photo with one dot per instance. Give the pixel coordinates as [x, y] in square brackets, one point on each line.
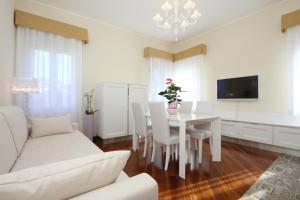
[262, 146]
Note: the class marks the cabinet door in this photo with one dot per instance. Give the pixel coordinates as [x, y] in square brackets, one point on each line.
[230, 129]
[137, 94]
[115, 110]
[287, 137]
[256, 133]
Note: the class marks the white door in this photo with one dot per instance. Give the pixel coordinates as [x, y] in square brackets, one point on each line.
[115, 110]
[137, 94]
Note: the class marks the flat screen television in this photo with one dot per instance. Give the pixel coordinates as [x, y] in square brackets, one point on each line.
[238, 88]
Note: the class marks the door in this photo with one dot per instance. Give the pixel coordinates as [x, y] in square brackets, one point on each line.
[137, 94]
[115, 110]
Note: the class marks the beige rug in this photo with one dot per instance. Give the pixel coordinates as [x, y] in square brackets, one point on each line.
[281, 181]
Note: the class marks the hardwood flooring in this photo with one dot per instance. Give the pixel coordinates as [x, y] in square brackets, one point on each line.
[228, 180]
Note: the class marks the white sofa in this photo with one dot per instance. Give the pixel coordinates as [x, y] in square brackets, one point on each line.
[19, 151]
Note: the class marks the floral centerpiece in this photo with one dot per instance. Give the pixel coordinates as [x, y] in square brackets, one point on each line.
[172, 94]
[89, 103]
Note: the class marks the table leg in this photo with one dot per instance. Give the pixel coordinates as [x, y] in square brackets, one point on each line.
[182, 149]
[216, 138]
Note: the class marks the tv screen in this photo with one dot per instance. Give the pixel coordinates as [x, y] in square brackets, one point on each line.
[238, 88]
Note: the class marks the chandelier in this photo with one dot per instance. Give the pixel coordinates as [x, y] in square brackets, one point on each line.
[176, 16]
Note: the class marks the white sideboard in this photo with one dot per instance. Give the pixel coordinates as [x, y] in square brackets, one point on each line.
[263, 128]
[113, 100]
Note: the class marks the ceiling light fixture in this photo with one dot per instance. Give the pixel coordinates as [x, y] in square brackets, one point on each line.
[177, 17]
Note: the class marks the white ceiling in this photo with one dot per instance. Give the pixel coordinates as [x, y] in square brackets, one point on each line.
[136, 15]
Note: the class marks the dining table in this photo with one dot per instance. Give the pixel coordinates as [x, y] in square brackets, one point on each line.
[185, 120]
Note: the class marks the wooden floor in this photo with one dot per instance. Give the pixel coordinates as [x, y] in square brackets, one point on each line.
[229, 179]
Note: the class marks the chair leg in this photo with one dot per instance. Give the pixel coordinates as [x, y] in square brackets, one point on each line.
[196, 144]
[189, 151]
[210, 145]
[173, 151]
[153, 150]
[145, 147]
[167, 157]
[200, 141]
[176, 151]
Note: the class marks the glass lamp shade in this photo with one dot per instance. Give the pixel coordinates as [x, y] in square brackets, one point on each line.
[189, 5]
[157, 18]
[166, 26]
[25, 85]
[166, 6]
[184, 24]
[196, 14]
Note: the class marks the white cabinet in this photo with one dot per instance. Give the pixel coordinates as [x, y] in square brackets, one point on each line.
[273, 134]
[113, 100]
[287, 137]
[256, 133]
[137, 94]
[230, 129]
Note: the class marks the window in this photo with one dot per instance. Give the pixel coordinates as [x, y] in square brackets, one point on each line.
[294, 64]
[185, 73]
[56, 62]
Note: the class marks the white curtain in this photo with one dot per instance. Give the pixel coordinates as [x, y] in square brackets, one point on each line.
[294, 64]
[160, 69]
[56, 62]
[187, 74]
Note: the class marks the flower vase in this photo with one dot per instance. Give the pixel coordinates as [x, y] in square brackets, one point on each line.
[89, 126]
[173, 108]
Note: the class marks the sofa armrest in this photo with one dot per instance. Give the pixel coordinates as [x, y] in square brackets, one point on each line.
[75, 126]
[137, 187]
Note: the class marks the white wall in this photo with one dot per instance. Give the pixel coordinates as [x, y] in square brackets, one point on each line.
[113, 54]
[249, 46]
[7, 44]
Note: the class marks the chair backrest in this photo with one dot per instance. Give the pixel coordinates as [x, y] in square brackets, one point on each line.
[160, 124]
[204, 107]
[186, 107]
[140, 123]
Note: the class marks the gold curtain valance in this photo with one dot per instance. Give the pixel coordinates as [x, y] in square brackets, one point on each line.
[151, 52]
[197, 50]
[289, 20]
[48, 25]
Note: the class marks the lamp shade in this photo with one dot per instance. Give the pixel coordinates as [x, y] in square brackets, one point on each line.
[25, 85]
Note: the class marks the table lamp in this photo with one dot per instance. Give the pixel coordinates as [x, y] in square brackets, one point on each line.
[25, 86]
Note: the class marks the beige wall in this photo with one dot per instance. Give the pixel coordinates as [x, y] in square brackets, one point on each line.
[112, 55]
[249, 46]
[7, 44]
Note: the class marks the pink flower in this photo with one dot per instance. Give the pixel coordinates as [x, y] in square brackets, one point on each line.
[169, 80]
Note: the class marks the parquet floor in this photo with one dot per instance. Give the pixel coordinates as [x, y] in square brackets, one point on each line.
[227, 180]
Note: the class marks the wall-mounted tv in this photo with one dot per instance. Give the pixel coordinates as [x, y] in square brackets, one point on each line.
[238, 88]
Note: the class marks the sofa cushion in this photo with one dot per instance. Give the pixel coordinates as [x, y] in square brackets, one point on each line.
[54, 148]
[8, 151]
[18, 124]
[51, 126]
[64, 179]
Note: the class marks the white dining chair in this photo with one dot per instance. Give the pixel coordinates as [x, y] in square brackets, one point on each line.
[185, 107]
[202, 132]
[204, 107]
[141, 128]
[162, 133]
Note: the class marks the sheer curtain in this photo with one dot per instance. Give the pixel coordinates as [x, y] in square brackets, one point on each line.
[160, 69]
[56, 62]
[187, 74]
[294, 64]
